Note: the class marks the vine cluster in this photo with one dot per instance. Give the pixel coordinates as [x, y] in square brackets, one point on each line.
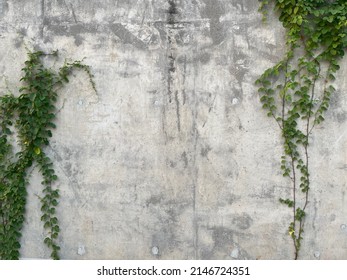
[29, 118]
[296, 92]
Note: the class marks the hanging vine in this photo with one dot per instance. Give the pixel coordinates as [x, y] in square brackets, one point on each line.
[30, 119]
[296, 92]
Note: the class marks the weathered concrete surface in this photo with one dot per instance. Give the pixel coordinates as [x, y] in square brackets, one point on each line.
[174, 157]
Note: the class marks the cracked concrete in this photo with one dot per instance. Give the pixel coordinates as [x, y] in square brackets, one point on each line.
[174, 159]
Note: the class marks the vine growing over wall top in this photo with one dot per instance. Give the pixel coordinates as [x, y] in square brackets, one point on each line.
[296, 91]
[29, 118]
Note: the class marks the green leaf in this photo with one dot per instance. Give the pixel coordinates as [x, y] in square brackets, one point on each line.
[56, 228]
[37, 150]
[299, 20]
[48, 241]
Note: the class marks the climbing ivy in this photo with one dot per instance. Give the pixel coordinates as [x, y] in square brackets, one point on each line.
[296, 92]
[29, 118]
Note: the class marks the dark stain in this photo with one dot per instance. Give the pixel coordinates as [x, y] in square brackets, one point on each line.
[163, 118]
[172, 12]
[181, 59]
[18, 42]
[69, 29]
[205, 150]
[78, 40]
[178, 111]
[68, 168]
[185, 159]
[213, 11]
[343, 166]
[335, 100]
[166, 237]
[3, 7]
[336, 110]
[73, 13]
[239, 66]
[154, 200]
[172, 164]
[129, 68]
[206, 254]
[184, 96]
[314, 219]
[243, 221]
[171, 71]
[126, 37]
[223, 241]
[332, 217]
[78, 29]
[171, 21]
[75, 30]
[22, 32]
[204, 58]
[222, 237]
[343, 196]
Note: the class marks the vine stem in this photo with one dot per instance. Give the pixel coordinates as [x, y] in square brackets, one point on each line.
[294, 206]
[293, 178]
[308, 132]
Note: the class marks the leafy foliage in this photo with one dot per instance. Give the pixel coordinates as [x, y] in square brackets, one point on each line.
[30, 118]
[296, 91]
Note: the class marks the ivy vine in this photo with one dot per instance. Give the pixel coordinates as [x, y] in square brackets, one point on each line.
[296, 92]
[29, 118]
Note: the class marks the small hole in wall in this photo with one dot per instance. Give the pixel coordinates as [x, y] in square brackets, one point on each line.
[155, 250]
[316, 254]
[235, 253]
[81, 250]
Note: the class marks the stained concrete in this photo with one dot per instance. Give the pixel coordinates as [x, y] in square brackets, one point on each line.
[173, 157]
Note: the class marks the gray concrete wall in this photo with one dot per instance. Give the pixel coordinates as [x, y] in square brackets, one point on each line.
[174, 157]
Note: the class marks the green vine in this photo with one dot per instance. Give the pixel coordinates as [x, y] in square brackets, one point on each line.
[30, 119]
[296, 91]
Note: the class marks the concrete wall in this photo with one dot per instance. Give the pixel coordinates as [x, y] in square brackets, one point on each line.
[173, 158]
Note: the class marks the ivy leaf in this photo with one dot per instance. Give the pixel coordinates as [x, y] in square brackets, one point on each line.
[37, 150]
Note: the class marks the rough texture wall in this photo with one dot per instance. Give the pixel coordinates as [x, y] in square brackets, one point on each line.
[173, 158]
